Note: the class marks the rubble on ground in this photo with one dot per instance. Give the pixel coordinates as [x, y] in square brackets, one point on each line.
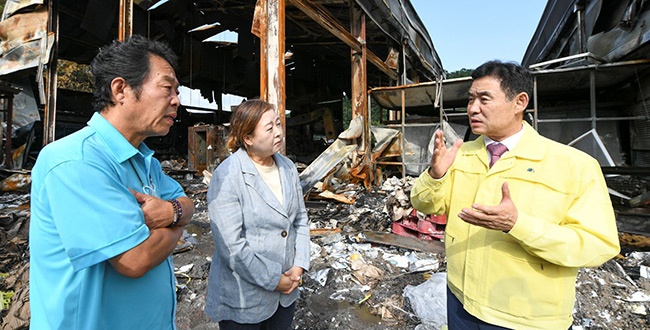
[353, 283]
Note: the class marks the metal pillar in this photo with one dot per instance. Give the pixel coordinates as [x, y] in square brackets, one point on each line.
[272, 63]
[359, 87]
[125, 28]
[592, 97]
[49, 111]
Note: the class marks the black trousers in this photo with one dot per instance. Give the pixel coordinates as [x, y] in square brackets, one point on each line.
[459, 319]
[280, 320]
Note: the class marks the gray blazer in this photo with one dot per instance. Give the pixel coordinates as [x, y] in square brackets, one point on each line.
[256, 239]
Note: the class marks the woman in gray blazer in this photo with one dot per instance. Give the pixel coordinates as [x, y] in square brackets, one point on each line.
[259, 226]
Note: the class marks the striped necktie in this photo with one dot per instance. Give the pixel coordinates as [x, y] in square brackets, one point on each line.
[496, 150]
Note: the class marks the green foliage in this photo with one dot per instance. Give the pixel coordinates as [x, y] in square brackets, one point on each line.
[347, 112]
[375, 112]
[74, 76]
[459, 73]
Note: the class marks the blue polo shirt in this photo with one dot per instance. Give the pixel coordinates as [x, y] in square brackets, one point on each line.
[82, 214]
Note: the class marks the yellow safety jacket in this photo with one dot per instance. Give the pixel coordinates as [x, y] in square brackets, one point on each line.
[523, 279]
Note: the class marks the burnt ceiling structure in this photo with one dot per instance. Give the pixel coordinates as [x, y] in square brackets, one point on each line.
[608, 30]
[317, 62]
[590, 61]
[328, 51]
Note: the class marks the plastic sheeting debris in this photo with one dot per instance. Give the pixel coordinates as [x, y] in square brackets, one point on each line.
[429, 301]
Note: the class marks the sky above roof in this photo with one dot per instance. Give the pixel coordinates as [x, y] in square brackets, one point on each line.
[466, 33]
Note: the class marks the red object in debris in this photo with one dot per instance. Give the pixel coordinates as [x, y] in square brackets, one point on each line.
[427, 237]
[426, 227]
[410, 223]
[399, 229]
[438, 219]
[429, 228]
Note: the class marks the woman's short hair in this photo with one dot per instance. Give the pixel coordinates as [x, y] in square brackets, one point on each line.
[244, 120]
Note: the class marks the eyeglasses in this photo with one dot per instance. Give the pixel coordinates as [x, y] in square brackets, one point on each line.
[147, 189]
[150, 189]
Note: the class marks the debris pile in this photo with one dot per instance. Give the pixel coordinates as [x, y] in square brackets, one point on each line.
[14, 254]
[362, 276]
[359, 278]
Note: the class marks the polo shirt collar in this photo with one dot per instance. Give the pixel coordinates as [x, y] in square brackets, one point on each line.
[115, 141]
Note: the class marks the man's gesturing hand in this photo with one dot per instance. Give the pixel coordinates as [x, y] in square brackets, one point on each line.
[500, 217]
[442, 158]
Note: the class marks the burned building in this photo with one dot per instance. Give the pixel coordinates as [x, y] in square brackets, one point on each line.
[590, 61]
[309, 57]
[591, 67]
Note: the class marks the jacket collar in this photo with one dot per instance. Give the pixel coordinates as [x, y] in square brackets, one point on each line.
[529, 147]
[253, 179]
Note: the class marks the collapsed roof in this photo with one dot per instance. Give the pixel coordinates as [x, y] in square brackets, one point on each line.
[318, 64]
[219, 49]
[609, 31]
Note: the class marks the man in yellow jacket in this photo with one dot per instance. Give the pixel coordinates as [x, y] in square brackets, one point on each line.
[517, 230]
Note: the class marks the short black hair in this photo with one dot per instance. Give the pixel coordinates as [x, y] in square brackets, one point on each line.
[128, 59]
[513, 77]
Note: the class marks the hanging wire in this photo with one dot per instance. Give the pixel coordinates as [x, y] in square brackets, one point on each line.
[438, 100]
[645, 107]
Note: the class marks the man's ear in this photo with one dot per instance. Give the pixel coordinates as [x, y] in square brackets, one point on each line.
[521, 102]
[118, 90]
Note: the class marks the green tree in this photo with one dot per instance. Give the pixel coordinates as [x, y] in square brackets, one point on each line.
[459, 73]
[375, 112]
[74, 76]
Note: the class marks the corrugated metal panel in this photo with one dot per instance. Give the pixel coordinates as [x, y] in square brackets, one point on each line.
[454, 94]
[405, 23]
[611, 30]
[12, 6]
[24, 38]
[556, 14]
[641, 127]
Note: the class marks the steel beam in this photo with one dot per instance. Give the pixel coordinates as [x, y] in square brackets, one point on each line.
[324, 19]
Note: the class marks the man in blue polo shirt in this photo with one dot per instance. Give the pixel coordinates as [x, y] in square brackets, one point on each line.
[104, 217]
